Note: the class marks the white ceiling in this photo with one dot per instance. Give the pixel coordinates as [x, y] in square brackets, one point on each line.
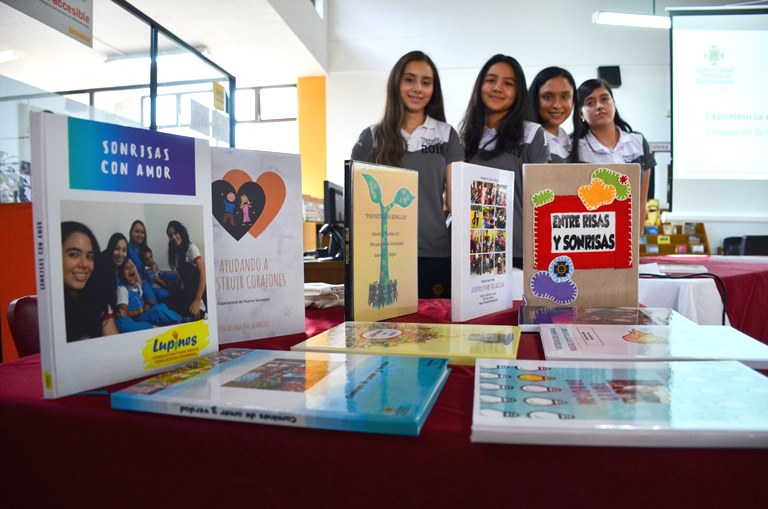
[252, 39]
[248, 38]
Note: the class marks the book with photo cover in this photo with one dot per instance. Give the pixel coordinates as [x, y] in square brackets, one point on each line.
[481, 240]
[365, 393]
[381, 223]
[652, 343]
[258, 240]
[531, 317]
[100, 322]
[621, 404]
[461, 344]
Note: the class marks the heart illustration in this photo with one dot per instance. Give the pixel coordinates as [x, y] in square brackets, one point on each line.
[242, 206]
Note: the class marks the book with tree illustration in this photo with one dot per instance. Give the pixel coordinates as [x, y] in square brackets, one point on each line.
[581, 234]
[462, 344]
[481, 240]
[366, 393]
[381, 241]
[622, 404]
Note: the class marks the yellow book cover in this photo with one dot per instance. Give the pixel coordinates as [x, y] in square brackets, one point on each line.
[461, 344]
[381, 241]
[663, 239]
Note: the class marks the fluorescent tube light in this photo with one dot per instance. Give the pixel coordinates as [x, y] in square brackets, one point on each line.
[631, 20]
[8, 56]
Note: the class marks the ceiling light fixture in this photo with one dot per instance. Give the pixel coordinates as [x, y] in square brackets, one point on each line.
[631, 20]
[8, 56]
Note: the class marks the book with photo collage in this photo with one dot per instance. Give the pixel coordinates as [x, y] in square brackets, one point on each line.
[481, 240]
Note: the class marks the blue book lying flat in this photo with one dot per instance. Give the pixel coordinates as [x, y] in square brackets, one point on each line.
[367, 393]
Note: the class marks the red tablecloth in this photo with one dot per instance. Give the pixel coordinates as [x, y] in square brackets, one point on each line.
[77, 452]
[746, 287]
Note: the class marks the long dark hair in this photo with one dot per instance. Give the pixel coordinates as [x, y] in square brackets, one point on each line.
[580, 127]
[544, 76]
[511, 129]
[388, 144]
[176, 253]
[106, 255]
[84, 312]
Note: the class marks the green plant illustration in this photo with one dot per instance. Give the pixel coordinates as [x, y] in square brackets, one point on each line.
[384, 292]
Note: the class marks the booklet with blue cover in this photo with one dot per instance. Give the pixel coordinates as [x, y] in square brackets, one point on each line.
[368, 393]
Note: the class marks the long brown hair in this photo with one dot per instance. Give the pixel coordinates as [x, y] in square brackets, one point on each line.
[388, 144]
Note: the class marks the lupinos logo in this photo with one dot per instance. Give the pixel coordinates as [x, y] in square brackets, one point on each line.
[384, 292]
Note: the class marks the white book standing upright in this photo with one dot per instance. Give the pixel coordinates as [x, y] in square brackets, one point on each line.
[92, 180]
[481, 240]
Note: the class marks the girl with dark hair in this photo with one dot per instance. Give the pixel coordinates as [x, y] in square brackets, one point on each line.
[553, 92]
[600, 135]
[496, 133]
[413, 134]
[137, 242]
[87, 314]
[185, 258]
[110, 261]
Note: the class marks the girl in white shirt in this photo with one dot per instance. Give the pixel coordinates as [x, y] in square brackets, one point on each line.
[602, 136]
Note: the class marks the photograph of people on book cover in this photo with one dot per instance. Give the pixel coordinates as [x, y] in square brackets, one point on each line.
[488, 235]
[291, 375]
[113, 283]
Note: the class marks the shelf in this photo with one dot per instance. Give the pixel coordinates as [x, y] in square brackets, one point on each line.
[687, 238]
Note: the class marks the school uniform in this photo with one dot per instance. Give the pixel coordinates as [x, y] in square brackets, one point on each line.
[430, 148]
[532, 149]
[631, 148]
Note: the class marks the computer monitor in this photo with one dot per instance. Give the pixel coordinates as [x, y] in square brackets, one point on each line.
[333, 203]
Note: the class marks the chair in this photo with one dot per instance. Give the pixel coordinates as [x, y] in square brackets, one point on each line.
[22, 320]
[755, 245]
[733, 246]
[746, 245]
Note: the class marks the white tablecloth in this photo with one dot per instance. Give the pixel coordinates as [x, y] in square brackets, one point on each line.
[696, 299]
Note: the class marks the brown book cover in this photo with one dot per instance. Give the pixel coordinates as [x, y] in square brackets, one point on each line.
[582, 228]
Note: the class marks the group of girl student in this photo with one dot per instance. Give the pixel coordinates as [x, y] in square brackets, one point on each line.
[495, 132]
[87, 312]
[132, 299]
[104, 293]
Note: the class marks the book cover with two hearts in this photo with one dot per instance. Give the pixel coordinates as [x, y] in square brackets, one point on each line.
[258, 239]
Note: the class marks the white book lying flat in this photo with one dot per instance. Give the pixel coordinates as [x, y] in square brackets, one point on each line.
[652, 343]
